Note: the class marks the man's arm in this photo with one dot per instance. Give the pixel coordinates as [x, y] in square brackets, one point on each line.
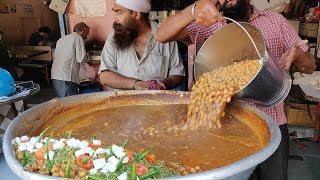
[303, 61]
[173, 28]
[117, 81]
[172, 81]
[296, 50]
[176, 69]
[81, 55]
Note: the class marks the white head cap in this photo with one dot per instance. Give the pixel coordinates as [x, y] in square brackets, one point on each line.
[135, 5]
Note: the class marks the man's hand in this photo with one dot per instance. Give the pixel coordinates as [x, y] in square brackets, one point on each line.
[90, 71]
[290, 55]
[141, 85]
[206, 13]
[156, 85]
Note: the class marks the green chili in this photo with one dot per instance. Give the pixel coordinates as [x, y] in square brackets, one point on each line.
[42, 134]
[49, 165]
[120, 164]
[93, 138]
[86, 160]
[144, 154]
[93, 177]
[150, 174]
[67, 173]
[111, 152]
[24, 158]
[125, 143]
[69, 134]
[134, 172]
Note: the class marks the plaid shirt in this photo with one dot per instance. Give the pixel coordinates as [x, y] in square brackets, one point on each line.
[278, 35]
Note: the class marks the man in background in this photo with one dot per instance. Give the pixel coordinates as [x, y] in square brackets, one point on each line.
[40, 38]
[69, 54]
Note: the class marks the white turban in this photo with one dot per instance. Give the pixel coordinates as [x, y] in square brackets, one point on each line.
[135, 5]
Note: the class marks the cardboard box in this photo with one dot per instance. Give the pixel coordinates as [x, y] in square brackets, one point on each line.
[295, 25]
[297, 114]
[308, 29]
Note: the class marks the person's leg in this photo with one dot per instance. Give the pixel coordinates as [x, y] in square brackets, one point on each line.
[285, 156]
[59, 87]
[276, 166]
[73, 88]
[65, 88]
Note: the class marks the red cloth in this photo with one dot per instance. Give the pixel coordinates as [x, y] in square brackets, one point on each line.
[279, 36]
[316, 14]
[156, 85]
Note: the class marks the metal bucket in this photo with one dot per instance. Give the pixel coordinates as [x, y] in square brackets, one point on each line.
[231, 44]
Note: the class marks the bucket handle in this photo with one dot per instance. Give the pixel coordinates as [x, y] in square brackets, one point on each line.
[232, 20]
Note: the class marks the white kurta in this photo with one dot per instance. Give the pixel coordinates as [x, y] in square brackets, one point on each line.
[159, 60]
[69, 53]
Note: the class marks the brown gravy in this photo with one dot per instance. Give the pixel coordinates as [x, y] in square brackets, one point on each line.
[157, 126]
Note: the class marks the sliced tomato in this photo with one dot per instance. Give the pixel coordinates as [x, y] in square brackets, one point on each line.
[151, 158]
[95, 146]
[65, 142]
[129, 152]
[26, 140]
[142, 169]
[87, 166]
[40, 153]
[130, 157]
[104, 145]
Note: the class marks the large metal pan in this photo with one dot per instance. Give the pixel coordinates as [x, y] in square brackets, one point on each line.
[31, 122]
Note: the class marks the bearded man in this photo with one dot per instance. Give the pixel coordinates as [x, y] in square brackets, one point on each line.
[283, 43]
[132, 58]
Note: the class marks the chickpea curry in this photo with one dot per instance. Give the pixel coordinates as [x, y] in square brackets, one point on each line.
[153, 140]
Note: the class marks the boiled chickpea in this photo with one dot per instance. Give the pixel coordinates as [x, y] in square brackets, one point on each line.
[214, 89]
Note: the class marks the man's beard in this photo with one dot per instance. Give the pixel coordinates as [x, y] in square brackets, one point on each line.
[237, 11]
[124, 35]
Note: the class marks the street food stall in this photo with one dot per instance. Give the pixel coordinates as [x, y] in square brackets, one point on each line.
[156, 134]
[157, 119]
